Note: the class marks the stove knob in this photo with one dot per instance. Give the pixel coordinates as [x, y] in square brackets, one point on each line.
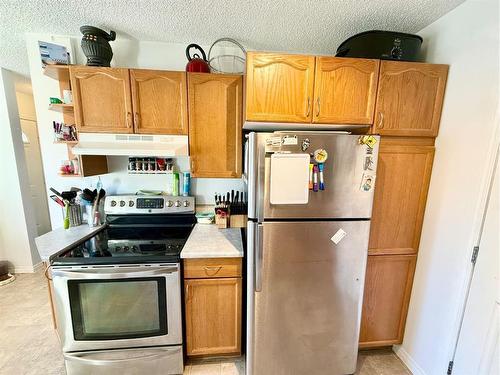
[169, 247]
[177, 203]
[170, 203]
[131, 203]
[134, 248]
[118, 248]
[125, 248]
[185, 203]
[122, 203]
[113, 203]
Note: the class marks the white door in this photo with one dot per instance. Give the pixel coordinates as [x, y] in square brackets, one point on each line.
[35, 175]
[478, 344]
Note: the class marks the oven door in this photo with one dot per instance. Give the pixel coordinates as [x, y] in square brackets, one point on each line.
[123, 306]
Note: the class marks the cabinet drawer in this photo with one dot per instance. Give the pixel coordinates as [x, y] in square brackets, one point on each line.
[212, 268]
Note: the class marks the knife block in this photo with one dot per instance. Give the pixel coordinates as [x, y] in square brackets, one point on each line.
[238, 221]
[222, 221]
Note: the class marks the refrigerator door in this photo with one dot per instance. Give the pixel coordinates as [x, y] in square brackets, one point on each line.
[349, 175]
[305, 304]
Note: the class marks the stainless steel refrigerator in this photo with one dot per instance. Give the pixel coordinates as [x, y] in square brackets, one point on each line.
[306, 261]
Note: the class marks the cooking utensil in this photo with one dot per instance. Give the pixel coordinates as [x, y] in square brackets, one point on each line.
[196, 63]
[55, 192]
[58, 200]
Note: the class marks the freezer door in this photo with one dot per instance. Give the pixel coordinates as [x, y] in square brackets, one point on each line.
[349, 175]
[305, 304]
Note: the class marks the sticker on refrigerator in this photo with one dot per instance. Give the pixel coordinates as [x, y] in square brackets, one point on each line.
[274, 141]
[368, 140]
[338, 236]
[290, 140]
[367, 182]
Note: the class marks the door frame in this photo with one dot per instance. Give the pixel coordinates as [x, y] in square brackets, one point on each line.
[492, 163]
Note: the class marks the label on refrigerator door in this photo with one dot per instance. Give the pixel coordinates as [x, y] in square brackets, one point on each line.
[290, 140]
[338, 236]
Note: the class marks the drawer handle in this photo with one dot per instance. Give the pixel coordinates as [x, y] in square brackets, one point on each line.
[212, 270]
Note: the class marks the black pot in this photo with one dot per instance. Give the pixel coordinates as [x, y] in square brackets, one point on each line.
[95, 45]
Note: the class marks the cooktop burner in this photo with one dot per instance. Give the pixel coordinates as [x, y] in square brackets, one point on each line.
[133, 238]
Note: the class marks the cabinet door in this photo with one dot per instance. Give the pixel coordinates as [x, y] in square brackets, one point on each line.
[279, 87]
[101, 99]
[387, 292]
[409, 99]
[215, 112]
[345, 90]
[159, 100]
[213, 316]
[403, 175]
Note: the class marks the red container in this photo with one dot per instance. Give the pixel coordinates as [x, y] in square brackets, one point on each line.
[196, 63]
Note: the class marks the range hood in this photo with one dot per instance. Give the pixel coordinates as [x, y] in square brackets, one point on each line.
[281, 126]
[131, 145]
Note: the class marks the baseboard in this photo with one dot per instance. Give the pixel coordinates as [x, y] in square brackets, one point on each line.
[408, 360]
[27, 269]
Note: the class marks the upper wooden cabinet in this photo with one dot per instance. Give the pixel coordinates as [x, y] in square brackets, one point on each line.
[403, 176]
[159, 100]
[215, 111]
[345, 90]
[410, 97]
[279, 87]
[102, 99]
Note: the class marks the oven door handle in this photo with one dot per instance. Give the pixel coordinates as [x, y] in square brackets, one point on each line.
[81, 357]
[96, 273]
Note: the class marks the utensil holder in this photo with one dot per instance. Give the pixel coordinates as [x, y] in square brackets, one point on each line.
[222, 221]
[75, 215]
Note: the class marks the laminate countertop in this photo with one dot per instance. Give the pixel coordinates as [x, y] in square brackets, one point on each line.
[61, 239]
[208, 241]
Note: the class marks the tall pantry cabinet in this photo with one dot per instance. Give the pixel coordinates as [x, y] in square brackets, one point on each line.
[407, 115]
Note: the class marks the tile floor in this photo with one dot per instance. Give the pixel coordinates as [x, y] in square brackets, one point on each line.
[29, 345]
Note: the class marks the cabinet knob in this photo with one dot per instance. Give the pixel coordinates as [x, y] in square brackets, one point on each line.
[380, 124]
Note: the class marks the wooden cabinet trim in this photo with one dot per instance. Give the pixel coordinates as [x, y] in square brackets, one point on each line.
[176, 77]
[330, 64]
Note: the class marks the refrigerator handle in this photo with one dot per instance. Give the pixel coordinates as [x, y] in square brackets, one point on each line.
[259, 248]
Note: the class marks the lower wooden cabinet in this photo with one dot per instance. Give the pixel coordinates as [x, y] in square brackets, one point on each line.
[387, 293]
[213, 307]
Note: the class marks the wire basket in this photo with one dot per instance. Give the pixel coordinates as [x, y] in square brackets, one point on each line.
[230, 58]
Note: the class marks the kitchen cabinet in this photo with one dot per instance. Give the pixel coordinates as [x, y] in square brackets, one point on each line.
[159, 100]
[403, 177]
[213, 306]
[215, 124]
[279, 87]
[387, 293]
[102, 99]
[409, 98]
[345, 90]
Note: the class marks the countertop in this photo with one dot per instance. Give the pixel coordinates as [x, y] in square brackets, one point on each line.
[61, 239]
[208, 241]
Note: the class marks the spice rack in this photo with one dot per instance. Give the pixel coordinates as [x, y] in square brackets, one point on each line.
[88, 165]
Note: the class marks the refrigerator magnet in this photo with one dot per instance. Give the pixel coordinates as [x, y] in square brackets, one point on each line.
[338, 236]
[367, 182]
[320, 155]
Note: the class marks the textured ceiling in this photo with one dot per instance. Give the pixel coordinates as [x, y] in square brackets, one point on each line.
[314, 26]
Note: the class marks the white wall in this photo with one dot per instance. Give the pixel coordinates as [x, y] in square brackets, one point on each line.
[467, 39]
[127, 53]
[17, 222]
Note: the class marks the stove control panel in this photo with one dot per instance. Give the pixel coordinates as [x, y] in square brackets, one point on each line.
[145, 204]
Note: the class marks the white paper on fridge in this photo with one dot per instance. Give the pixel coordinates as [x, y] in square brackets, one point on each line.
[289, 179]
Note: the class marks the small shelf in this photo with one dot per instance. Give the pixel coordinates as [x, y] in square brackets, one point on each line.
[56, 71]
[70, 175]
[61, 106]
[65, 142]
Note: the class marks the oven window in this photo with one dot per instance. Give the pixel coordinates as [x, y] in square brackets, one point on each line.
[118, 309]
